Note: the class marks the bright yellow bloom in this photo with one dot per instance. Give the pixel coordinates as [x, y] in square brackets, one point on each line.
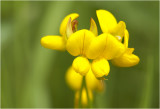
[58, 42]
[88, 47]
[108, 24]
[85, 44]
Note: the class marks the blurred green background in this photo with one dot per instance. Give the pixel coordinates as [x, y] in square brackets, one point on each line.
[32, 76]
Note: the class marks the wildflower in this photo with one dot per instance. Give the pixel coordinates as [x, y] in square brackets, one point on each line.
[92, 52]
[86, 44]
[108, 24]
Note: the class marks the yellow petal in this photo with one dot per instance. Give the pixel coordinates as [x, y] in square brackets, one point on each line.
[126, 38]
[73, 79]
[78, 42]
[100, 67]
[100, 86]
[91, 80]
[65, 21]
[127, 59]
[84, 99]
[106, 20]
[93, 27]
[97, 46]
[81, 65]
[119, 30]
[69, 30]
[113, 48]
[53, 42]
[93, 83]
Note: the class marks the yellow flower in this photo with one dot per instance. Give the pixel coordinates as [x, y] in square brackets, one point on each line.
[86, 44]
[88, 47]
[57, 42]
[108, 24]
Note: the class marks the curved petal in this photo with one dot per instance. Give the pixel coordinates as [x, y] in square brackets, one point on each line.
[69, 30]
[93, 83]
[106, 20]
[73, 79]
[91, 80]
[100, 86]
[113, 48]
[119, 30]
[93, 27]
[53, 42]
[78, 42]
[100, 68]
[63, 26]
[127, 59]
[81, 65]
[97, 46]
[126, 38]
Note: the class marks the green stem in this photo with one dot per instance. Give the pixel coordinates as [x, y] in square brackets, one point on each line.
[80, 93]
[87, 92]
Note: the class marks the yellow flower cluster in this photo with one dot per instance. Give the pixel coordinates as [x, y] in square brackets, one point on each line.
[92, 51]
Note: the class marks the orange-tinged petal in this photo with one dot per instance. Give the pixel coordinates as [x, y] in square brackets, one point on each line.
[69, 30]
[100, 86]
[53, 42]
[106, 20]
[63, 26]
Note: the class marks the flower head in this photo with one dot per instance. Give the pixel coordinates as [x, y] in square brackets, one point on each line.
[92, 52]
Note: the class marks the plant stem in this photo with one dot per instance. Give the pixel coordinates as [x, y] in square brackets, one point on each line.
[80, 93]
[88, 97]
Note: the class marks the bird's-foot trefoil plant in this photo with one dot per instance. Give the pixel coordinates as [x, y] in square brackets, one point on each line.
[92, 52]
